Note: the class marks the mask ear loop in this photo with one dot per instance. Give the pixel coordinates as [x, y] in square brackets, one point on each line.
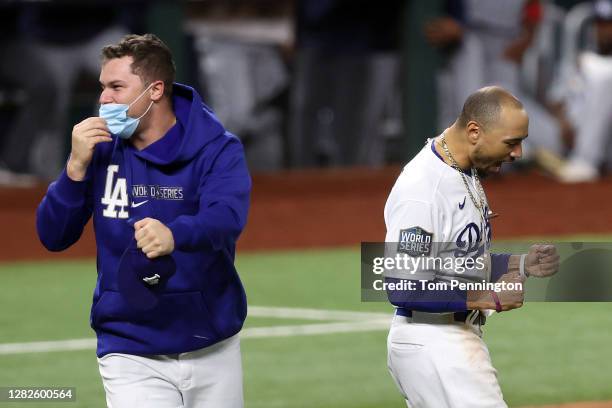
[147, 111]
[139, 96]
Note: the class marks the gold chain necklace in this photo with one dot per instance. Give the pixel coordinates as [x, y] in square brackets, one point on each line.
[482, 198]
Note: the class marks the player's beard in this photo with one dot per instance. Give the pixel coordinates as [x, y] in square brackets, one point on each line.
[482, 173]
[489, 170]
[484, 165]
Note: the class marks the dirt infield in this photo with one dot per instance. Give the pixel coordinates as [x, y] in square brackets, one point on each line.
[344, 207]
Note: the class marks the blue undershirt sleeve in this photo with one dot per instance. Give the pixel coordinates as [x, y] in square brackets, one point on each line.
[424, 300]
[499, 265]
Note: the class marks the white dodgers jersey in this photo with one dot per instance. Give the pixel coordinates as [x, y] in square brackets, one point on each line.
[429, 213]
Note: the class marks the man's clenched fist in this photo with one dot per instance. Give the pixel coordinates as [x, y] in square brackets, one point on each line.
[153, 237]
[542, 261]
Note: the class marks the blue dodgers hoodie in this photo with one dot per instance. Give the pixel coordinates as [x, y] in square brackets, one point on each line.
[195, 181]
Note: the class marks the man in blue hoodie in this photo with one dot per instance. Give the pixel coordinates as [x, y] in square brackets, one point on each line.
[168, 189]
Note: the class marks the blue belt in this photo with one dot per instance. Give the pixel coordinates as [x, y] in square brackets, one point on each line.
[457, 316]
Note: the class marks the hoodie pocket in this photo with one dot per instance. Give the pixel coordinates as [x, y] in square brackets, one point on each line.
[183, 314]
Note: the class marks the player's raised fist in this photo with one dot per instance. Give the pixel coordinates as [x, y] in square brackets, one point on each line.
[542, 261]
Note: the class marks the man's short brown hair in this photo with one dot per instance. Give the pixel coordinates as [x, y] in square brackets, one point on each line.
[152, 58]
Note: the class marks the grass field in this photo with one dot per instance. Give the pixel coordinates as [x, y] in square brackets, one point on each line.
[544, 353]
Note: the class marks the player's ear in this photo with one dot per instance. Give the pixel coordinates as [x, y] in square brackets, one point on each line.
[157, 90]
[474, 131]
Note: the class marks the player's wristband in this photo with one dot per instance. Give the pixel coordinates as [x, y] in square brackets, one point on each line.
[523, 273]
[498, 305]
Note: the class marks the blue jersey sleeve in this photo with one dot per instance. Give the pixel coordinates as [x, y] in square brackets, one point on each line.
[64, 212]
[224, 203]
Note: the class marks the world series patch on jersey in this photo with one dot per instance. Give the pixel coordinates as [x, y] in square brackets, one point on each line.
[414, 241]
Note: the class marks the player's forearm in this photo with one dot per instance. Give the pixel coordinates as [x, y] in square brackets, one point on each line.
[75, 170]
[479, 300]
[513, 265]
[485, 300]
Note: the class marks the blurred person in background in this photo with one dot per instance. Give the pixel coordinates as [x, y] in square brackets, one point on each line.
[584, 97]
[346, 67]
[243, 72]
[485, 41]
[29, 94]
[67, 37]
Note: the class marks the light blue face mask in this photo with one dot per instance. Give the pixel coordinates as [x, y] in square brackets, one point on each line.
[119, 123]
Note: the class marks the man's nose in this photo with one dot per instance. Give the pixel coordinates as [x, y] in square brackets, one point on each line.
[105, 97]
[517, 152]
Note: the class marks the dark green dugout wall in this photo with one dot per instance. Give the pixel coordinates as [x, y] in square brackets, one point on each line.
[165, 19]
[420, 62]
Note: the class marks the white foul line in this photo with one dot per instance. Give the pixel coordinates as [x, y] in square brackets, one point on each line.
[47, 346]
[314, 314]
[309, 329]
[351, 322]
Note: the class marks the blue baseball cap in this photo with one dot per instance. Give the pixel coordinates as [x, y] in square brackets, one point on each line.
[142, 280]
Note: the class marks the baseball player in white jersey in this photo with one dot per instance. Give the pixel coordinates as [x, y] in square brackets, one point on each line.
[435, 351]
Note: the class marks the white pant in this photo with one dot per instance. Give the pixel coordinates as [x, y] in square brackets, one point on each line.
[442, 365]
[209, 377]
